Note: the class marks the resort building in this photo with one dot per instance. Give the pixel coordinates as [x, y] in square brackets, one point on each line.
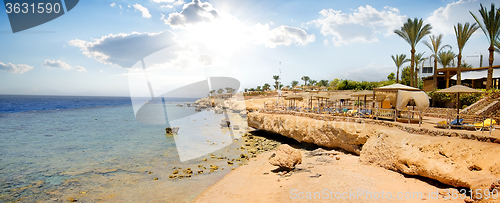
[472, 77]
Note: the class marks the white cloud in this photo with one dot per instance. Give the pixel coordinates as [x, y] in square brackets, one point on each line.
[124, 49]
[166, 6]
[361, 25]
[282, 35]
[372, 72]
[113, 4]
[179, 2]
[163, 1]
[205, 59]
[444, 18]
[62, 65]
[15, 68]
[192, 13]
[145, 11]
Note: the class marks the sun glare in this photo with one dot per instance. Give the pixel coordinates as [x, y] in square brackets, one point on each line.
[222, 36]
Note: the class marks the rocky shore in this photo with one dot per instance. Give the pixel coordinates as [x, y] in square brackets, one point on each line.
[462, 163]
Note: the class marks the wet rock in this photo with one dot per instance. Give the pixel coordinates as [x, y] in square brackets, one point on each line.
[286, 157]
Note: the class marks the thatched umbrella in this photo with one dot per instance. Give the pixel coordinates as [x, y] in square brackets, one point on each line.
[292, 99]
[459, 89]
[340, 97]
[363, 93]
[322, 96]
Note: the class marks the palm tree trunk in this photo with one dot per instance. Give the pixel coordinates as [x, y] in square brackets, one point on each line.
[397, 76]
[435, 73]
[489, 80]
[412, 67]
[416, 75]
[459, 69]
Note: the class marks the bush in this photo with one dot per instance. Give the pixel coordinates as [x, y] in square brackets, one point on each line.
[466, 99]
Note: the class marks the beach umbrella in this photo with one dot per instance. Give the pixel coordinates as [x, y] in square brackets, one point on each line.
[363, 93]
[322, 96]
[292, 99]
[340, 97]
[459, 89]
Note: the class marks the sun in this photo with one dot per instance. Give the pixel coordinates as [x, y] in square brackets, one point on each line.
[223, 35]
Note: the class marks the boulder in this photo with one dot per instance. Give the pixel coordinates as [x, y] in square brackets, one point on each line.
[286, 157]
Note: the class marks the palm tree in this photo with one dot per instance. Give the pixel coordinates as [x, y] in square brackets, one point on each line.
[312, 82]
[220, 91]
[445, 58]
[399, 60]
[463, 34]
[276, 78]
[418, 58]
[295, 83]
[323, 83]
[266, 86]
[212, 92]
[491, 29]
[497, 45]
[435, 47]
[305, 79]
[412, 32]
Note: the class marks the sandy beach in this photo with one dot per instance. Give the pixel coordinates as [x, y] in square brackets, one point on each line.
[342, 178]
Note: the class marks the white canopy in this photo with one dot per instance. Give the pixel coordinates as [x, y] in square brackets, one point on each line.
[420, 97]
[477, 74]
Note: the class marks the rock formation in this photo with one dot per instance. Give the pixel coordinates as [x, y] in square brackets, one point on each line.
[286, 157]
[451, 160]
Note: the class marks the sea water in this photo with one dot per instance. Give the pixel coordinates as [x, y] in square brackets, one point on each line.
[93, 149]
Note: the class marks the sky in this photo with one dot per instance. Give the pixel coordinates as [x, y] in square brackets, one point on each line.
[96, 49]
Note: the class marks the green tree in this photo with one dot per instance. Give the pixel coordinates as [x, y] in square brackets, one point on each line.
[212, 92]
[305, 79]
[435, 47]
[463, 33]
[276, 81]
[323, 83]
[259, 88]
[419, 58]
[220, 91]
[412, 32]
[445, 58]
[266, 86]
[391, 77]
[295, 83]
[491, 28]
[466, 65]
[497, 46]
[230, 90]
[312, 82]
[406, 76]
[399, 60]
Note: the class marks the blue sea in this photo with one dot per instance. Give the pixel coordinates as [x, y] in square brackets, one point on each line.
[91, 149]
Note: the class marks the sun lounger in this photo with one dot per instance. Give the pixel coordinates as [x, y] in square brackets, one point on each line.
[485, 125]
[453, 124]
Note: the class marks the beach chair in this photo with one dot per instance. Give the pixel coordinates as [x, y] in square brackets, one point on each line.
[487, 124]
[453, 124]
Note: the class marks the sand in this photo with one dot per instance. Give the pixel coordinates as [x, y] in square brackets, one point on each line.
[345, 176]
